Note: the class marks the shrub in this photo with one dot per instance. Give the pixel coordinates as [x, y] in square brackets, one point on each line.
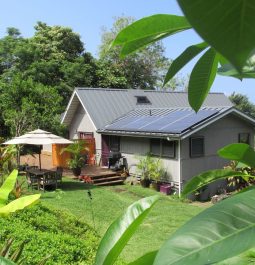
[53, 232]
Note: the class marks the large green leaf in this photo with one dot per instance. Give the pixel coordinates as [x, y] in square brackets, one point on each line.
[228, 26]
[247, 72]
[183, 59]
[4, 261]
[19, 204]
[146, 259]
[208, 177]
[239, 152]
[222, 231]
[122, 229]
[148, 30]
[7, 187]
[201, 78]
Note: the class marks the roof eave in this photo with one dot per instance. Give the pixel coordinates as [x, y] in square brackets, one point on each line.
[211, 120]
[139, 134]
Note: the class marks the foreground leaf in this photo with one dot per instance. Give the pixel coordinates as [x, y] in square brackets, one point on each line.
[7, 187]
[201, 78]
[19, 204]
[222, 231]
[4, 261]
[248, 70]
[147, 259]
[148, 30]
[239, 152]
[208, 177]
[228, 26]
[183, 59]
[122, 229]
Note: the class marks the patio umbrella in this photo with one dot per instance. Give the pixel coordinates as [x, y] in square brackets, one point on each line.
[38, 137]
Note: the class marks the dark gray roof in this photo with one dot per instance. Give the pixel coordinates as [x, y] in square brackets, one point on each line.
[106, 105]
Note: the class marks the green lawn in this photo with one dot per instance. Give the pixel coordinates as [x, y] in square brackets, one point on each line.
[109, 202]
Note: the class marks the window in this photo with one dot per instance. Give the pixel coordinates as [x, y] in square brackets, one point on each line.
[197, 146]
[142, 100]
[168, 148]
[86, 135]
[161, 147]
[155, 147]
[244, 138]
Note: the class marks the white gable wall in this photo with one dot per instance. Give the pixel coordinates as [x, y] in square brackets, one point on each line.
[217, 135]
[82, 123]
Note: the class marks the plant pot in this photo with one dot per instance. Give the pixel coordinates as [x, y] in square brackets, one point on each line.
[156, 185]
[145, 183]
[76, 171]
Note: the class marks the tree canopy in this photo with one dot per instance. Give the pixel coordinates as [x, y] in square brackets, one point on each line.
[38, 74]
[144, 69]
[243, 103]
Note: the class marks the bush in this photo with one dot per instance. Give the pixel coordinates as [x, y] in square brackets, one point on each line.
[53, 232]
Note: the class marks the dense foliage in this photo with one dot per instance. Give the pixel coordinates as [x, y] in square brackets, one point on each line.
[243, 103]
[144, 69]
[38, 74]
[48, 231]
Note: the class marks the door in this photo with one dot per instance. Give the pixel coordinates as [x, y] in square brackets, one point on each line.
[109, 143]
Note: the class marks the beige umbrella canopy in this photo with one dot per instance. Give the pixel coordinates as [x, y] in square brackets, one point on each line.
[38, 137]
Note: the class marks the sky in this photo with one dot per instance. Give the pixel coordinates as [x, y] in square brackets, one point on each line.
[87, 18]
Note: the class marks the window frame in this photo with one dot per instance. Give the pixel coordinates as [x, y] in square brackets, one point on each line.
[160, 154]
[242, 134]
[174, 148]
[159, 142]
[190, 146]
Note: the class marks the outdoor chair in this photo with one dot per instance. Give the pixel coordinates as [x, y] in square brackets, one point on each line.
[48, 179]
[59, 174]
[32, 180]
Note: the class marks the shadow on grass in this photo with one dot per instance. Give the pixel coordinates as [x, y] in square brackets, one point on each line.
[75, 185]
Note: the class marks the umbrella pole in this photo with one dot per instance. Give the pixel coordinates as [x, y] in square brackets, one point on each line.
[40, 162]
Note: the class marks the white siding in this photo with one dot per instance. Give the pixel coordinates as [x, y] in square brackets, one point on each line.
[82, 123]
[132, 147]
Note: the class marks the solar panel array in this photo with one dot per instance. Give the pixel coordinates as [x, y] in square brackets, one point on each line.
[176, 121]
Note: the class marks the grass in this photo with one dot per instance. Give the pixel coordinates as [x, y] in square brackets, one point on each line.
[109, 202]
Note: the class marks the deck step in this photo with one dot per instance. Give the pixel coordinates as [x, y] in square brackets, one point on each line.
[107, 183]
[105, 175]
[103, 179]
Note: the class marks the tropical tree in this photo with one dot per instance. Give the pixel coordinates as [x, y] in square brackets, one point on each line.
[143, 69]
[243, 103]
[231, 49]
[26, 105]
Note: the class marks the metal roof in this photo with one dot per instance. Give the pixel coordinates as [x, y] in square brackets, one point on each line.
[105, 105]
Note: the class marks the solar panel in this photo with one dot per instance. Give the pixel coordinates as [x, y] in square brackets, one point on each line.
[122, 122]
[176, 121]
[158, 124]
[189, 121]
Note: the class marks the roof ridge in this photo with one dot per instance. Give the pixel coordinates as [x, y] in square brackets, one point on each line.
[139, 90]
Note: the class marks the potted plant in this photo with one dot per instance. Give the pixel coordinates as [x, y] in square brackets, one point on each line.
[156, 173]
[77, 151]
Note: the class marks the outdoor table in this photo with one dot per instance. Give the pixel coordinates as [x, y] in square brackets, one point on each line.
[37, 172]
[39, 176]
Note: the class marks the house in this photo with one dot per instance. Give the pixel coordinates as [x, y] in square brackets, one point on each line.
[160, 122]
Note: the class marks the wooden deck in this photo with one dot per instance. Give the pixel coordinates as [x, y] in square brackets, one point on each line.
[101, 176]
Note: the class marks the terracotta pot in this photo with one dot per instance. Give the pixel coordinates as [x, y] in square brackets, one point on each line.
[145, 183]
[76, 171]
